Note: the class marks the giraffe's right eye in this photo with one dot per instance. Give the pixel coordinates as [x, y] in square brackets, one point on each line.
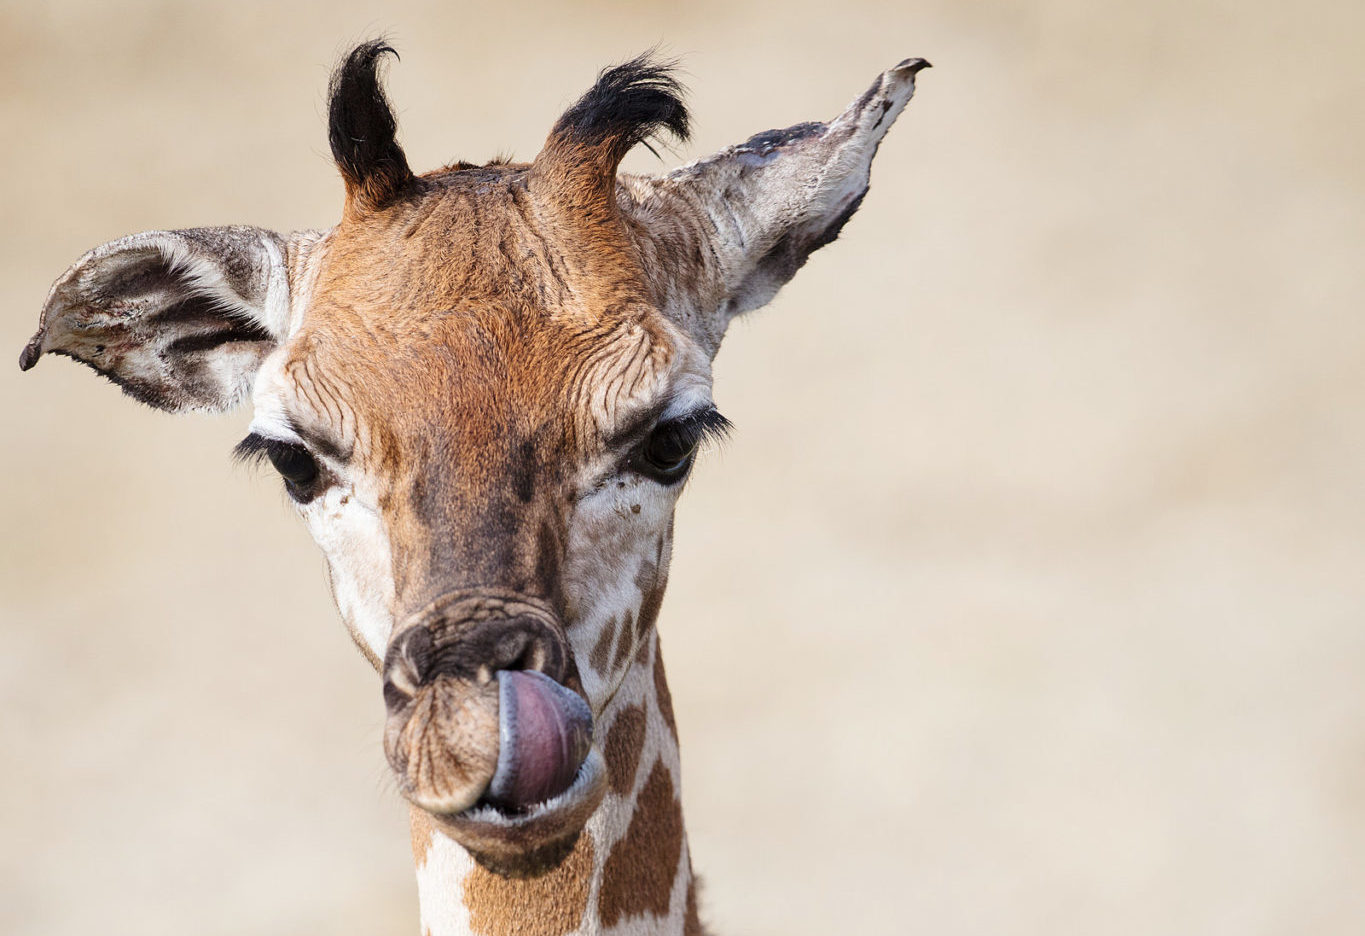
[294, 463]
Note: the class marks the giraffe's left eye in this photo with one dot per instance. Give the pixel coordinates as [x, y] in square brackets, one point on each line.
[667, 453]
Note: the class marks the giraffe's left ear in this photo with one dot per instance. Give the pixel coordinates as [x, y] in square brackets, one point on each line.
[179, 319]
[752, 214]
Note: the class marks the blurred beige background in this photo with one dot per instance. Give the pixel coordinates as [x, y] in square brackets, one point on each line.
[1027, 599]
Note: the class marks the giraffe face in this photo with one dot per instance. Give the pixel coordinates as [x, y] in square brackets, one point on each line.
[484, 389]
[492, 478]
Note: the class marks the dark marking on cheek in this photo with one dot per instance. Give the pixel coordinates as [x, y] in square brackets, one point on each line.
[634, 508]
[548, 555]
[524, 472]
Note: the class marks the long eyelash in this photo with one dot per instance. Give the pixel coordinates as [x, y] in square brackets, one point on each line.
[255, 449]
[709, 426]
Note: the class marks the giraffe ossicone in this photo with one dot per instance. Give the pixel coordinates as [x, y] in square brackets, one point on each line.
[484, 388]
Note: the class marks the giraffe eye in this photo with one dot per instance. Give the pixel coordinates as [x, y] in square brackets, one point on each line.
[668, 452]
[298, 468]
[293, 463]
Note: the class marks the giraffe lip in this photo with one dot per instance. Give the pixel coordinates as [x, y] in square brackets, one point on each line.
[527, 841]
[544, 736]
[523, 839]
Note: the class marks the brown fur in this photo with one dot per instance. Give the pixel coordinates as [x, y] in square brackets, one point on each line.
[662, 695]
[624, 641]
[600, 658]
[549, 905]
[421, 830]
[642, 653]
[638, 877]
[624, 744]
[525, 348]
[541, 335]
[692, 917]
[651, 581]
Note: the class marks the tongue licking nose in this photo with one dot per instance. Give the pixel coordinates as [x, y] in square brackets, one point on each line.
[544, 734]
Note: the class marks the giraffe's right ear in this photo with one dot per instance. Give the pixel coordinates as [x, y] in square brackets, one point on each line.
[180, 320]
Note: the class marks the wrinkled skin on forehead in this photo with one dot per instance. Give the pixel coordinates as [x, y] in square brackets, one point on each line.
[453, 354]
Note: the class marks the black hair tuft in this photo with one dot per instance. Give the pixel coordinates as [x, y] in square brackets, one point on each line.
[362, 129]
[629, 104]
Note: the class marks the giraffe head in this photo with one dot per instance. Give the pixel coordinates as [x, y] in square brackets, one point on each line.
[484, 389]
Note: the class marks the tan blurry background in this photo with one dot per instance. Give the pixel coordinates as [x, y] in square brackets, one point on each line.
[1027, 599]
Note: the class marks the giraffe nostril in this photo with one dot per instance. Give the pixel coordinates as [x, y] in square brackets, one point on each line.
[474, 652]
[479, 651]
[407, 666]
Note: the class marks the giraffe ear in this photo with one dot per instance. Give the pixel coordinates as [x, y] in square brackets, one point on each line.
[758, 210]
[180, 320]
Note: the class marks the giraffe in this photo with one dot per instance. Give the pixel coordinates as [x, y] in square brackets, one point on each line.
[484, 389]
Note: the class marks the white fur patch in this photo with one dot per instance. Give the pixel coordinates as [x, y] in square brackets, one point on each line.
[440, 888]
[352, 536]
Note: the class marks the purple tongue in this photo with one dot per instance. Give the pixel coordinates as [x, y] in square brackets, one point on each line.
[544, 733]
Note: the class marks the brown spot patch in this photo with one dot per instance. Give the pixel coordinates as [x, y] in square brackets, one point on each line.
[601, 651]
[638, 876]
[625, 742]
[651, 583]
[549, 905]
[624, 642]
[642, 654]
[692, 919]
[664, 697]
[422, 831]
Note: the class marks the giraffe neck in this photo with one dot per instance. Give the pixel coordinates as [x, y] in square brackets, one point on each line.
[630, 872]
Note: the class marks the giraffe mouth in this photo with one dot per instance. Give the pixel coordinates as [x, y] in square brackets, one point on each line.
[509, 741]
[549, 779]
[526, 840]
[488, 731]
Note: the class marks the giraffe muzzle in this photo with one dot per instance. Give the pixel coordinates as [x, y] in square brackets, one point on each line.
[479, 709]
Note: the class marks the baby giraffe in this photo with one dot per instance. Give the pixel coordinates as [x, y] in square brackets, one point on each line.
[484, 389]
